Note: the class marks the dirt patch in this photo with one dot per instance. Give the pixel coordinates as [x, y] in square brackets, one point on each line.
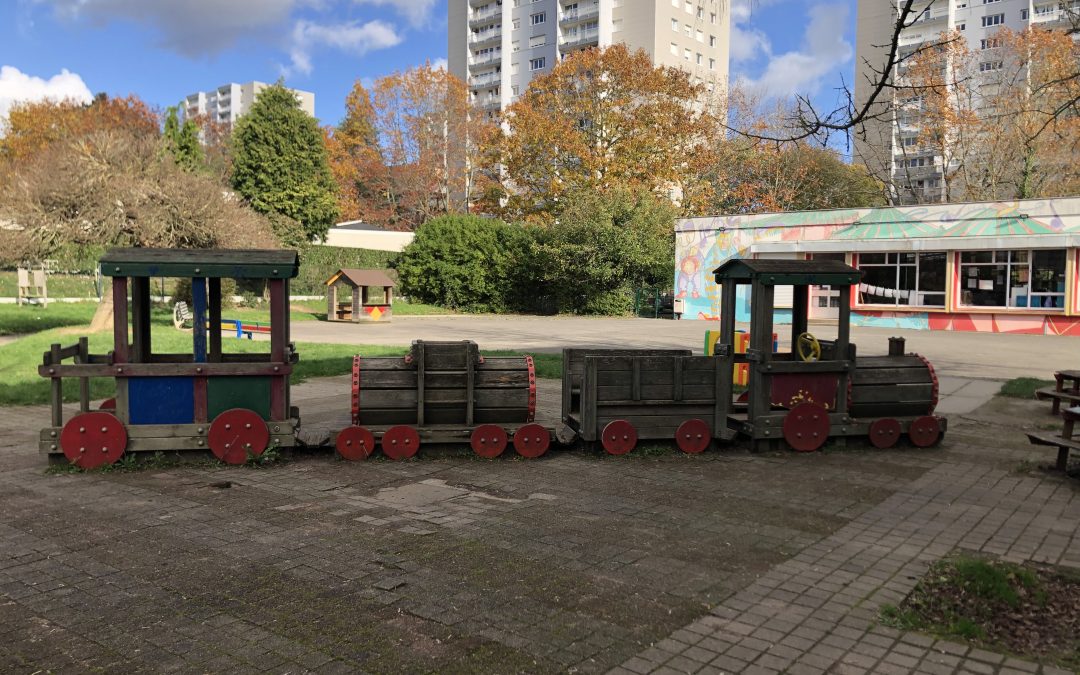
[1029, 610]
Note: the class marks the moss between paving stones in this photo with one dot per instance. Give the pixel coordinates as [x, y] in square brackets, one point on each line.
[1028, 610]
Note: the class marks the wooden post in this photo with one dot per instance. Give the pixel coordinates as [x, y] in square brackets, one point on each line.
[279, 336]
[120, 317]
[728, 298]
[470, 384]
[800, 308]
[84, 382]
[56, 388]
[215, 319]
[761, 302]
[331, 302]
[843, 339]
[418, 354]
[140, 319]
[198, 312]
[357, 307]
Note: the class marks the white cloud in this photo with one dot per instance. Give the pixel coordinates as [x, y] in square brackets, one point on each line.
[823, 50]
[16, 86]
[354, 38]
[439, 63]
[418, 12]
[188, 27]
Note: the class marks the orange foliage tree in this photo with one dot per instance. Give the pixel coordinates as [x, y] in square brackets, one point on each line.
[602, 118]
[34, 126]
[406, 151]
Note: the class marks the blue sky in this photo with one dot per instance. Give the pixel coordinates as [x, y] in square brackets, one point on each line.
[162, 50]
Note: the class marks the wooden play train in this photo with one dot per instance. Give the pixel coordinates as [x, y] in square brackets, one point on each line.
[237, 405]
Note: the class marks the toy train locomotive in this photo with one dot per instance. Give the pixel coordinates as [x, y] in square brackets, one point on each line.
[238, 404]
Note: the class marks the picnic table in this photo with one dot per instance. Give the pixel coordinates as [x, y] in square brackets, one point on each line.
[1064, 442]
[1066, 388]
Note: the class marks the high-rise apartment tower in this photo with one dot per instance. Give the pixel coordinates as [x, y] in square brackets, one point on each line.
[232, 100]
[890, 147]
[499, 46]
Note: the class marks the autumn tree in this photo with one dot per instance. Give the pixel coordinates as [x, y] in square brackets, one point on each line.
[407, 150]
[280, 163]
[602, 118]
[32, 126]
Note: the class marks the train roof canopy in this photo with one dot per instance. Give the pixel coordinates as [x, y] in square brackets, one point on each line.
[789, 272]
[192, 263]
[363, 278]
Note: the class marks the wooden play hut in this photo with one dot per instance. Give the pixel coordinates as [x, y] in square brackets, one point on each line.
[371, 298]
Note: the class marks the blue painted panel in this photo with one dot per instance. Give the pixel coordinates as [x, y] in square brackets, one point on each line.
[161, 400]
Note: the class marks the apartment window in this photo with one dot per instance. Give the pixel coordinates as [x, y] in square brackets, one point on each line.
[515, 46]
[537, 64]
[699, 60]
[686, 54]
[537, 41]
[517, 24]
[989, 43]
[514, 90]
[689, 7]
[989, 2]
[712, 17]
[1013, 279]
[993, 20]
[909, 141]
[961, 26]
[961, 5]
[712, 64]
[712, 40]
[915, 279]
[700, 12]
[674, 3]
[987, 66]
[675, 25]
[699, 36]
[538, 18]
[689, 30]
[1024, 14]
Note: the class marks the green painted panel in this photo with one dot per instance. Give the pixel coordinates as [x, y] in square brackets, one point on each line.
[223, 393]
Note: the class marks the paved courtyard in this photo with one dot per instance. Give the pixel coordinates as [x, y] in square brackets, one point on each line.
[577, 562]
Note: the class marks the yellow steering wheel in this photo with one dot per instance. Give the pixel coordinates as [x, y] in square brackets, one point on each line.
[808, 347]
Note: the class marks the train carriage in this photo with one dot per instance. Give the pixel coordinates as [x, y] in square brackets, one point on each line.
[234, 404]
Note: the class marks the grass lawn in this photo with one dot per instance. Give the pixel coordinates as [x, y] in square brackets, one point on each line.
[23, 386]
[20, 320]
[58, 285]
[1023, 387]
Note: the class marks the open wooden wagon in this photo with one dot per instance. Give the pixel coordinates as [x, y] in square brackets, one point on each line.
[234, 404]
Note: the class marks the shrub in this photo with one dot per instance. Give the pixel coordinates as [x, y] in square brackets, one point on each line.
[603, 246]
[318, 263]
[466, 262]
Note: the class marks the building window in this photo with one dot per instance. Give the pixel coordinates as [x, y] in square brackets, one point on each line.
[993, 20]
[686, 54]
[990, 43]
[674, 49]
[700, 12]
[914, 279]
[538, 18]
[675, 25]
[689, 7]
[712, 65]
[537, 64]
[699, 36]
[1033, 279]
[537, 41]
[712, 40]
[699, 59]
[689, 30]
[961, 26]
[989, 2]
[1024, 14]
[674, 3]
[987, 66]
[712, 17]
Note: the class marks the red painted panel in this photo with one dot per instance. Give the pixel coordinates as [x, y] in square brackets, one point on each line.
[791, 389]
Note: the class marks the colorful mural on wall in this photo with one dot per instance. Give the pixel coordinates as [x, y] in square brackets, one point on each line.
[702, 244]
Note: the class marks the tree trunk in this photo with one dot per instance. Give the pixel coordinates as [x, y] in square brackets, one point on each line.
[103, 316]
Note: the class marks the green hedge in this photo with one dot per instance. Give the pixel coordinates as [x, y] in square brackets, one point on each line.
[318, 263]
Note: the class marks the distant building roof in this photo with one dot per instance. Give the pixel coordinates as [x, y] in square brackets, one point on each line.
[358, 225]
[363, 278]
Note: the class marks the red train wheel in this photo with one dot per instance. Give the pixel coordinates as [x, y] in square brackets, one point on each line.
[884, 433]
[108, 404]
[619, 437]
[93, 439]
[355, 443]
[806, 427]
[235, 433]
[924, 431]
[489, 440]
[400, 442]
[693, 436]
[532, 440]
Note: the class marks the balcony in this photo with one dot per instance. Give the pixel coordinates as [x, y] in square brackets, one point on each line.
[485, 18]
[485, 81]
[486, 38]
[489, 103]
[578, 15]
[1052, 16]
[486, 59]
[479, 3]
[580, 39]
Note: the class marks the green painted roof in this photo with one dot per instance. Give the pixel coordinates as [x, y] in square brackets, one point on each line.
[191, 263]
[992, 223]
[788, 272]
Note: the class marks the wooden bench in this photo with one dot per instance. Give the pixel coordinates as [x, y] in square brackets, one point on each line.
[1064, 442]
[181, 314]
[1060, 393]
